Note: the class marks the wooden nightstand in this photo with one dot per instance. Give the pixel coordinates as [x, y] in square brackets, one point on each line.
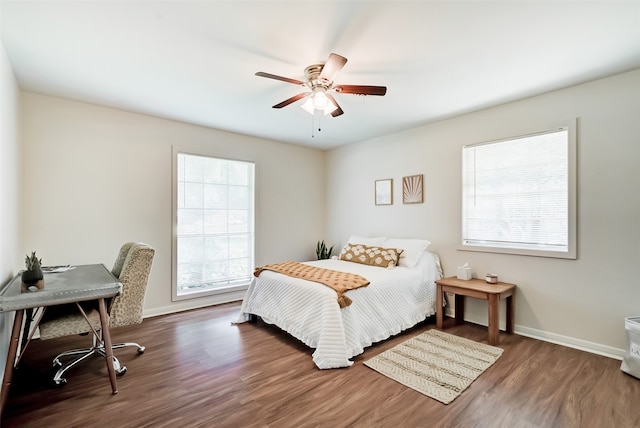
[479, 289]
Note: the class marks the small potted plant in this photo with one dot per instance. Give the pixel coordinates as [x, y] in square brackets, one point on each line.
[32, 276]
[322, 251]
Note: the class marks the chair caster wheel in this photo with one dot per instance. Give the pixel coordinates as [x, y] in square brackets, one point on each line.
[60, 382]
[121, 371]
[141, 350]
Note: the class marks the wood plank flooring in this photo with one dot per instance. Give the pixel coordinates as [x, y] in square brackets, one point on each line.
[199, 370]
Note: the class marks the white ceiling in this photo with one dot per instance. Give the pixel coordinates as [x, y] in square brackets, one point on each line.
[194, 61]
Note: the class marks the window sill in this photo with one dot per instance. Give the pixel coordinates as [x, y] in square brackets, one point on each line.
[571, 254]
[210, 292]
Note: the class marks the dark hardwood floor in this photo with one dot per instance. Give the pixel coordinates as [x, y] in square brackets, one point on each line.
[199, 370]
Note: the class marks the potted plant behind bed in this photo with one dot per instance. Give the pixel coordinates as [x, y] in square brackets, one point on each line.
[322, 251]
[32, 276]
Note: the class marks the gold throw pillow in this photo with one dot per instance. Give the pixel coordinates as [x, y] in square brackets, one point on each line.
[373, 256]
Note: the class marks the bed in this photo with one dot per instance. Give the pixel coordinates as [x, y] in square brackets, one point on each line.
[396, 299]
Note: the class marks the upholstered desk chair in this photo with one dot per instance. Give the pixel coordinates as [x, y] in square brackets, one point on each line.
[132, 268]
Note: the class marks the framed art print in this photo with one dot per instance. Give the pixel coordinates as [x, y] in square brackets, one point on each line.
[412, 189]
[384, 191]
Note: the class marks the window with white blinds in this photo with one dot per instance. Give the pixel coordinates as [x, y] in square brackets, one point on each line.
[518, 195]
[213, 225]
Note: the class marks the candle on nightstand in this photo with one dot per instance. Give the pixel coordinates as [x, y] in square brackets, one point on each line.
[491, 278]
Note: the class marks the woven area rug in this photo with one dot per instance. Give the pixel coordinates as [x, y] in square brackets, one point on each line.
[437, 364]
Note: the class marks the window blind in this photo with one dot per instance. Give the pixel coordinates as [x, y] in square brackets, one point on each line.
[516, 193]
[215, 239]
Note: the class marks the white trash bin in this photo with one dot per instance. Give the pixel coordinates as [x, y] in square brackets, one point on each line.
[631, 361]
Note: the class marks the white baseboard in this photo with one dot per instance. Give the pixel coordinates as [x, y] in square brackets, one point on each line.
[558, 339]
[187, 305]
[571, 342]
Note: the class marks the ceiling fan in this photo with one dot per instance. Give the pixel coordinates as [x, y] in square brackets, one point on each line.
[319, 85]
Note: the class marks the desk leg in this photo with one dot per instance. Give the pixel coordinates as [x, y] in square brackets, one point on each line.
[494, 319]
[510, 305]
[106, 337]
[439, 307]
[11, 358]
[459, 308]
[27, 328]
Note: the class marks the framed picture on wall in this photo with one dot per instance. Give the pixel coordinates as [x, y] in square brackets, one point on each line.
[384, 191]
[412, 189]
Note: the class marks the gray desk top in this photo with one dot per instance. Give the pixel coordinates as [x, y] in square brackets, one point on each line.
[84, 282]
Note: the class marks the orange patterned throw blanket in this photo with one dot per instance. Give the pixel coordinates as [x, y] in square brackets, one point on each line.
[341, 282]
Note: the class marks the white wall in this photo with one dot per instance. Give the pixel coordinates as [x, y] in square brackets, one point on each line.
[10, 253]
[581, 303]
[96, 177]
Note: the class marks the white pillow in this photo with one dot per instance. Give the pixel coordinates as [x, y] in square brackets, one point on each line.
[413, 249]
[371, 242]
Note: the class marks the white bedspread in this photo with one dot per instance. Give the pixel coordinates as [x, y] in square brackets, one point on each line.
[395, 300]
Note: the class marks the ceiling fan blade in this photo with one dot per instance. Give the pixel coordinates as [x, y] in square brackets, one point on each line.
[333, 65]
[361, 89]
[338, 111]
[291, 100]
[284, 79]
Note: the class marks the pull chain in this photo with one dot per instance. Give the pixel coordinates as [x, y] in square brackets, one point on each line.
[316, 114]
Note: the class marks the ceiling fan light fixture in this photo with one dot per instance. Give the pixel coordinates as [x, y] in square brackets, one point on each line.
[330, 108]
[318, 100]
[308, 105]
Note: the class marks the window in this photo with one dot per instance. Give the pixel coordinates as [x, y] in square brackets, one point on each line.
[518, 195]
[213, 225]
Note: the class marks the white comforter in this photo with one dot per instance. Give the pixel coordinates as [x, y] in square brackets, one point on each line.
[395, 300]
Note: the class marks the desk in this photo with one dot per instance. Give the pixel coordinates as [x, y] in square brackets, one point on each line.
[479, 289]
[86, 282]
